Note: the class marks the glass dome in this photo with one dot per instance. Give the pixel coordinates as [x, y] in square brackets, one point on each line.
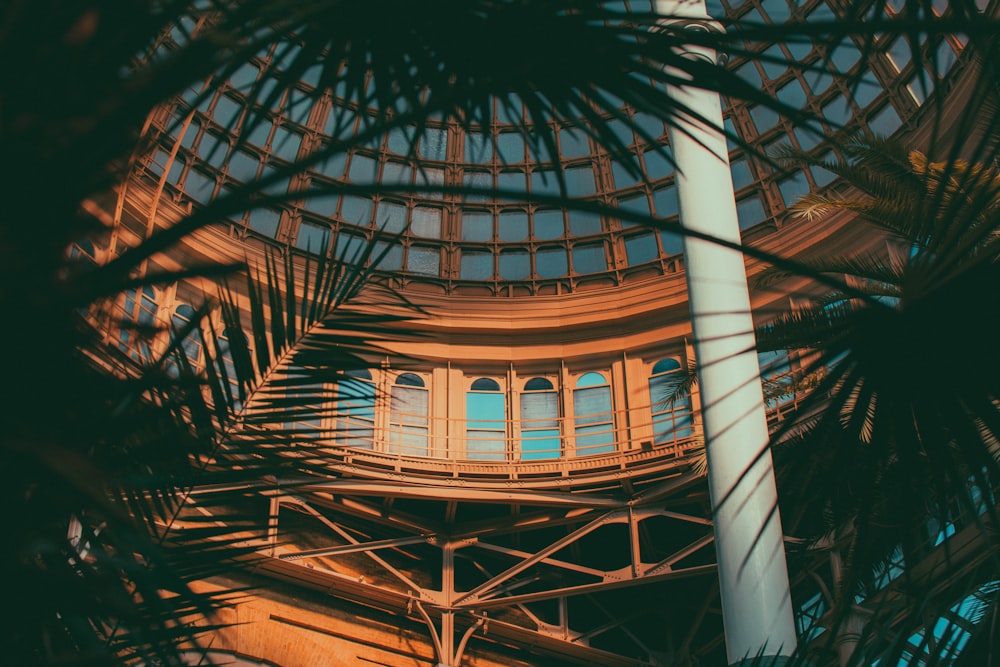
[479, 243]
[532, 424]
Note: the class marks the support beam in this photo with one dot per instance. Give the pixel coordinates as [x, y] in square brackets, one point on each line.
[757, 613]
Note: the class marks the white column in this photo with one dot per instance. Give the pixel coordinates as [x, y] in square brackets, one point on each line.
[753, 577]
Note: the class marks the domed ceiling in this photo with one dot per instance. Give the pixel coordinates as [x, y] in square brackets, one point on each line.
[478, 243]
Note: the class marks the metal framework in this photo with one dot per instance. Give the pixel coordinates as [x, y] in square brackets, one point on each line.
[503, 561]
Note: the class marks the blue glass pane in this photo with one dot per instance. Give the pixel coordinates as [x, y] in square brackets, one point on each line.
[589, 259]
[478, 148]
[363, 169]
[551, 262]
[583, 223]
[477, 226]
[513, 226]
[749, 211]
[548, 224]
[510, 147]
[313, 238]
[434, 144]
[357, 211]
[264, 221]
[641, 249]
[540, 444]
[243, 167]
[573, 143]
[390, 217]
[325, 205]
[426, 222]
[515, 265]
[580, 182]
[426, 261]
[597, 439]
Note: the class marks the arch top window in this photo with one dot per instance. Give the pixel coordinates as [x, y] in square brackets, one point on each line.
[539, 413]
[593, 416]
[591, 379]
[671, 409]
[184, 322]
[410, 380]
[538, 384]
[485, 420]
[408, 416]
[666, 365]
[356, 410]
[485, 384]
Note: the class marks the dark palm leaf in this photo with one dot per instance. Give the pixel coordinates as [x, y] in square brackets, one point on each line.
[890, 440]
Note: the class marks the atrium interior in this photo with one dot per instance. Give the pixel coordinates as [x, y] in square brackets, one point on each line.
[510, 468]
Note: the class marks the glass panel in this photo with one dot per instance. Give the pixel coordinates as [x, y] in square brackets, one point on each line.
[548, 224]
[243, 167]
[551, 262]
[510, 147]
[349, 246]
[363, 169]
[477, 226]
[513, 226]
[515, 265]
[539, 424]
[665, 201]
[476, 265]
[426, 261]
[325, 205]
[356, 412]
[426, 222]
[392, 259]
[285, 144]
[672, 414]
[485, 384]
[641, 249]
[485, 426]
[589, 259]
[573, 143]
[356, 210]
[593, 419]
[657, 164]
[478, 148]
[314, 238]
[582, 223]
[391, 217]
[264, 221]
[407, 421]
[395, 173]
[580, 182]
[199, 187]
[749, 211]
[434, 144]
[537, 383]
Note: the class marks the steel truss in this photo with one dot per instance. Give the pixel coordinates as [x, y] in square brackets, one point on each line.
[575, 575]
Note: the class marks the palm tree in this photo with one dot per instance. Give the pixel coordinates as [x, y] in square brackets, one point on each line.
[97, 449]
[896, 447]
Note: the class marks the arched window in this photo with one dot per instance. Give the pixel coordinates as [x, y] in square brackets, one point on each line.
[539, 420]
[776, 378]
[138, 322]
[485, 421]
[226, 365]
[181, 322]
[408, 416]
[672, 414]
[356, 410]
[306, 406]
[83, 251]
[593, 421]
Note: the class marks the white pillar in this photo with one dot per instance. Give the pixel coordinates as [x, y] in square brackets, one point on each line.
[753, 577]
